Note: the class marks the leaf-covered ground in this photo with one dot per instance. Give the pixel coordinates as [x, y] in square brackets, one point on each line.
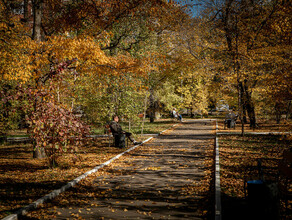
[24, 179]
[239, 163]
[169, 178]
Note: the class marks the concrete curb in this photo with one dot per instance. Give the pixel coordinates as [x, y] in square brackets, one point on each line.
[217, 179]
[72, 183]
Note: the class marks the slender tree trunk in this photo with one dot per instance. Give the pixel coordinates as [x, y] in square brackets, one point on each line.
[151, 106]
[36, 35]
[37, 20]
[249, 107]
[240, 104]
[144, 113]
[192, 111]
[243, 103]
[289, 108]
[244, 111]
[278, 112]
[25, 10]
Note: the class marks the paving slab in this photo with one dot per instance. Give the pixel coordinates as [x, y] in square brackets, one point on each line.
[166, 178]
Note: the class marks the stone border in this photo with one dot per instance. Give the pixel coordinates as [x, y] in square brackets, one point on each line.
[217, 179]
[72, 183]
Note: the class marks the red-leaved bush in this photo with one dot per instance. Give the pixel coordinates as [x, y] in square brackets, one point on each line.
[56, 129]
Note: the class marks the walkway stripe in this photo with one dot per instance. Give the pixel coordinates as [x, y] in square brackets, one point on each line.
[72, 183]
[217, 180]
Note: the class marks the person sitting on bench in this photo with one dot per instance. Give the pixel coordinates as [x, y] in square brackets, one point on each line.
[119, 134]
[230, 119]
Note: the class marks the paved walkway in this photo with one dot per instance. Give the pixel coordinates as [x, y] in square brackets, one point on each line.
[167, 178]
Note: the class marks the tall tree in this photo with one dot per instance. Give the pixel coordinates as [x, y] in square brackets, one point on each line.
[243, 25]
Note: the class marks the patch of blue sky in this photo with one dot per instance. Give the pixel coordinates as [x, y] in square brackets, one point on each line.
[194, 7]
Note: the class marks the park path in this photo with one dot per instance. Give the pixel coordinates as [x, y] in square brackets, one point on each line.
[166, 178]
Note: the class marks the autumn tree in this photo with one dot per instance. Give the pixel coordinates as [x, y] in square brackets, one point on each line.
[108, 53]
[14, 65]
[247, 44]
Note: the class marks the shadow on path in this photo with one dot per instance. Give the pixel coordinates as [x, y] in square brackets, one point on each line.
[165, 179]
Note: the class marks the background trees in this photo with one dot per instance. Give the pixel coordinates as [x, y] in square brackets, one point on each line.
[97, 58]
[243, 32]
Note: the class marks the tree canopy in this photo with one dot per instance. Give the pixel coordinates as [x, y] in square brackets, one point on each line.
[107, 57]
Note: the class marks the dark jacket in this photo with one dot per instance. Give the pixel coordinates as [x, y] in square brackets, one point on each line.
[116, 127]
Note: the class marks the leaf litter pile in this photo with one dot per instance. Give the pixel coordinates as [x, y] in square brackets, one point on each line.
[239, 162]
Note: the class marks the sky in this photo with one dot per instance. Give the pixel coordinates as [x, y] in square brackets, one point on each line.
[194, 6]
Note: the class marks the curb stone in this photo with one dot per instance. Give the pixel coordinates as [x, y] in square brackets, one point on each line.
[72, 183]
[217, 179]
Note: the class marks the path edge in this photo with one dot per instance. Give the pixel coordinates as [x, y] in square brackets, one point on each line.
[218, 211]
[72, 183]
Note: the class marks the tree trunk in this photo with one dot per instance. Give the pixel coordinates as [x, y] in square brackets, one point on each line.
[244, 112]
[278, 113]
[151, 106]
[37, 20]
[36, 35]
[39, 153]
[251, 114]
[289, 108]
[249, 107]
[25, 10]
[192, 111]
[240, 104]
[243, 103]
[144, 113]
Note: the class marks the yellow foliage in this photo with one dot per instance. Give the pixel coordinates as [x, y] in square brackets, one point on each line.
[14, 59]
[31, 59]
